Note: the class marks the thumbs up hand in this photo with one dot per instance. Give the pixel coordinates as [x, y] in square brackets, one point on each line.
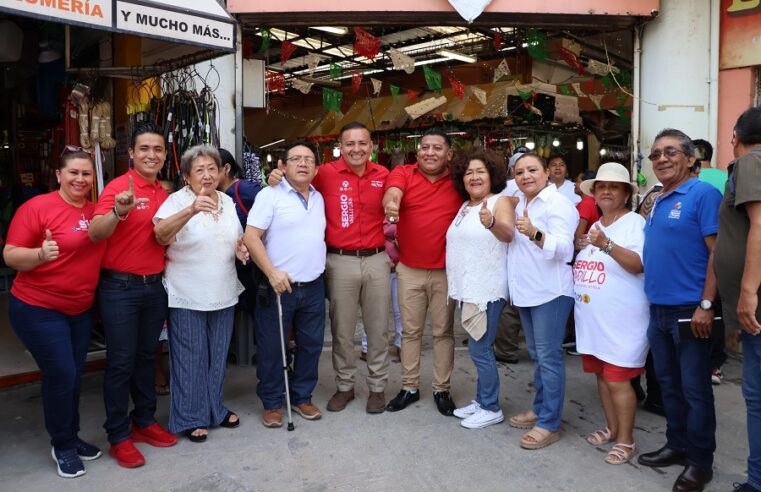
[597, 237]
[485, 216]
[524, 225]
[49, 250]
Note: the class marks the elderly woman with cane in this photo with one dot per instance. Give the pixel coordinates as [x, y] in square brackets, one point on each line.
[476, 264]
[200, 226]
[612, 312]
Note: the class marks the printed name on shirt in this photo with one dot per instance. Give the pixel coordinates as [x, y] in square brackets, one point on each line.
[376, 183]
[676, 212]
[347, 211]
[591, 273]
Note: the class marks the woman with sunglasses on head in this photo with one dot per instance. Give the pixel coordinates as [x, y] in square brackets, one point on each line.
[48, 246]
[541, 285]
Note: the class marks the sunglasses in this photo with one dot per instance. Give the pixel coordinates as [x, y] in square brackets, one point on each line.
[669, 152]
[70, 149]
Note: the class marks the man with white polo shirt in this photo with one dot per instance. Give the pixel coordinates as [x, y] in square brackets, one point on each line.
[285, 235]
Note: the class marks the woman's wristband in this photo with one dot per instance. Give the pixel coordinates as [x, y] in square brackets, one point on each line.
[116, 213]
[608, 247]
[492, 223]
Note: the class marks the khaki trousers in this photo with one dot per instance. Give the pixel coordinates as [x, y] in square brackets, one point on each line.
[359, 282]
[506, 345]
[418, 290]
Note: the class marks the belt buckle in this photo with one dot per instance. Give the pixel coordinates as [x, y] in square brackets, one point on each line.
[145, 279]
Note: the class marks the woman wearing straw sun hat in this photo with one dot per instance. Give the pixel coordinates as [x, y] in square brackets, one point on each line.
[611, 309]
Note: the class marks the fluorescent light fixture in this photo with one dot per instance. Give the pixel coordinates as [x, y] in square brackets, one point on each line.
[432, 60]
[332, 30]
[414, 136]
[509, 48]
[456, 133]
[456, 56]
[272, 143]
[579, 144]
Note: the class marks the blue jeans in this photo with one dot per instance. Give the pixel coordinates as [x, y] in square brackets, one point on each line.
[304, 311]
[58, 343]
[133, 314]
[683, 369]
[482, 355]
[752, 394]
[544, 327]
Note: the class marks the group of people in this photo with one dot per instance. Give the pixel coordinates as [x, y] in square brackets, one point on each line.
[466, 237]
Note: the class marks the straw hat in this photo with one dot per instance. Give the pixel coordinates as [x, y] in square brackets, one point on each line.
[610, 171]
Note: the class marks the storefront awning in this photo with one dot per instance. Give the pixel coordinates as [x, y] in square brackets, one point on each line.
[196, 22]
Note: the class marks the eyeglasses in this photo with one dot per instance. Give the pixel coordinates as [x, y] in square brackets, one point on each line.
[669, 152]
[295, 159]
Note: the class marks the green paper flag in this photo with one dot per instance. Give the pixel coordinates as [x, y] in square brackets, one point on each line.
[607, 82]
[622, 97]
[537, 43]
[624, 77]
[265, 34]
[432, 78]
[525, 95]
[621, 112]
[564, 89]
[331, 99]
[394, 91]
[335, 71]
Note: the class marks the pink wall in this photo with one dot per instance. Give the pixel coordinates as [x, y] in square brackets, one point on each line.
[735, 96]
[607, 7]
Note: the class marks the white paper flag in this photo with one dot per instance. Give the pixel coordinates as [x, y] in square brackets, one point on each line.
[419, 109]
[596, 98]
[376, 86]
[313, 59]
[301, 86]
[402, 61]
[577, 87]
[598, 68]
[469, 9]
[480, 94]
[502, 70]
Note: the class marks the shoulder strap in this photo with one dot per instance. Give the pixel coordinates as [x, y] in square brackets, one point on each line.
[237, 198]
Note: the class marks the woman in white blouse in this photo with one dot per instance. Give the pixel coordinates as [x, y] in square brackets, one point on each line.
[201, 228]
[541, 285]
[476, 272]
[612, 312]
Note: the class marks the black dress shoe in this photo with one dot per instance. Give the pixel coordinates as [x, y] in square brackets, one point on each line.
[692, 479]
[663, 457]
[444, 403]
[401, 400]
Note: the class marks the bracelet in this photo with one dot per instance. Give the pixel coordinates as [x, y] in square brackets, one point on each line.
[608, 247]
[119, 216]
[492, 223]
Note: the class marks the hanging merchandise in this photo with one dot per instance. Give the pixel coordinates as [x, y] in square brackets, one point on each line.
[366, 44]
[376, 86]
[402, 61]
[265, 35]
[432, 79]
[331, 99]
[301, 86]
[394, 91]
[275, 82]
[335, 71]
[502, 70]
[252, 170]
[100, 126]
[286, 50]
[356, 81]
[84, 124]
[313, 60]
[458, 88]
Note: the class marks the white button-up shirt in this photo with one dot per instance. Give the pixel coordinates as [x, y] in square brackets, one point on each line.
[295, 237]
[567, 190]
[538, 275]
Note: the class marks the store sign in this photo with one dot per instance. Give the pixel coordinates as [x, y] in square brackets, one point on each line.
[740, 31]
[158, 22]
[88, 12]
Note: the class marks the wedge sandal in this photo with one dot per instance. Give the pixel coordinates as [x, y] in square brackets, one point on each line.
[523, 420]
[538, 438]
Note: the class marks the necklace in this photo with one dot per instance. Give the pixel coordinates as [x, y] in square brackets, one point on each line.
[465, 209]
[615, 218]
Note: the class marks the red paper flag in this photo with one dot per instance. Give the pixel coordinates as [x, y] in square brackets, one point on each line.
[275, 82]
[458, 88]
[497, 40]
[356, 81]
[366, 44]
[411, 95]
[286, 50]
[572, 60]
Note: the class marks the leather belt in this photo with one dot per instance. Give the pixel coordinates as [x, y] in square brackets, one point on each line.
[130, 277]
[306, 284]
[356, 252]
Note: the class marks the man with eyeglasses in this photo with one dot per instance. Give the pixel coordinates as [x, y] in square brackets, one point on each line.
[422, 199]
[358, 269]
[681, 286]
[285, 235]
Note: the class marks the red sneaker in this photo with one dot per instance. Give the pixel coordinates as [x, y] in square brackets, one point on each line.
[153, 435]
[126, 454]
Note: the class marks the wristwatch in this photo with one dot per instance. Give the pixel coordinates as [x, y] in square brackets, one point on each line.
[538, 235]
[706, 304]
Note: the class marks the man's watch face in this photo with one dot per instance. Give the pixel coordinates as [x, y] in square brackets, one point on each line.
[706, 304]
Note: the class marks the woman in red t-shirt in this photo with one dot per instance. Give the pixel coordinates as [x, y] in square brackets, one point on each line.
[587, 208]
[50, 306]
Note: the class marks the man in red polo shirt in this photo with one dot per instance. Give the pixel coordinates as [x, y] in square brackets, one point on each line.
[421, 197]
[132, 299]
[357, 269]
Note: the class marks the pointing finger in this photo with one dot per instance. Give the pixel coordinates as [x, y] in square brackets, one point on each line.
[131, 184]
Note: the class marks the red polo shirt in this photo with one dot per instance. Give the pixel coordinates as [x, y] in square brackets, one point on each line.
[132, 248]
[353, 205]
[426, 211]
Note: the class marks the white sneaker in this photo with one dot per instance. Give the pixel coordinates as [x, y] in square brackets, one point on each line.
[483, 418]
[467, 411]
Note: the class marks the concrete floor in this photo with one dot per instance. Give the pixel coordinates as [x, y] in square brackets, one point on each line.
[415, 449]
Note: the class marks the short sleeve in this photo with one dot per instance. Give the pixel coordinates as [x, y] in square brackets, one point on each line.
[26, 228]
[708, 210]
[635, 234]
[106, 199]
[263, 210]
[587, 209]
[397, 178]
[170, 207]
[747, 176]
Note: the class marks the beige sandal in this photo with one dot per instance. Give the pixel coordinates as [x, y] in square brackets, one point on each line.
[525, 420]
[600, 437]
[538, 438]
[621, 453]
